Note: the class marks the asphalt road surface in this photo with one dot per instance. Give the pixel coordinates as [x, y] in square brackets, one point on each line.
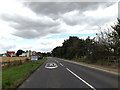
[69, 75]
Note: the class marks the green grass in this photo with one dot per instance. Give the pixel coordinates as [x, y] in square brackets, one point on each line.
[11, 76]
[0, 78]
[97, 62]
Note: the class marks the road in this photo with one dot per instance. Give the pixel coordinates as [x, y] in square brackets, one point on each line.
[69, 75]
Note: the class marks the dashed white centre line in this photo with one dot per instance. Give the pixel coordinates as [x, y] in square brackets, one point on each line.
[81, 79]
[61, 64]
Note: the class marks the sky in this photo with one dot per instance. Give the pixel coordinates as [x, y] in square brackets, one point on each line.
[41, 26]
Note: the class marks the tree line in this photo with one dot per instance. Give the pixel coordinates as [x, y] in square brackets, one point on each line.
[104, 47]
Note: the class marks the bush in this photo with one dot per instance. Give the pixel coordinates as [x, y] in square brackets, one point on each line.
[41, 57]
[104, 62]
[27, 60]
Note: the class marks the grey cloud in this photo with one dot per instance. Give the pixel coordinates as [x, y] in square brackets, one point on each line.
[78, 19]
[28, 28]
[81, 19]
[56, 9]
[53, 9]
[45, 43]
[25, 22]
[46, 49]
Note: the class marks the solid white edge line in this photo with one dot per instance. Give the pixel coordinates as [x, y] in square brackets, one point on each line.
[61, 64]
[81, 79]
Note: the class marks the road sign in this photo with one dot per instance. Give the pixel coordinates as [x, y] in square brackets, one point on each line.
[34, 58]
[34, 53]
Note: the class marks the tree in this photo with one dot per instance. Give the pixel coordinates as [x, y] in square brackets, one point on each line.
[19, 52]
[48, 54]
[115, 35]
[105, 46]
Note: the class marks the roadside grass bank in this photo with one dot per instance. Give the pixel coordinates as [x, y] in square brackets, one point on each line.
[102, 66]
[12, 76]
[102, 62]
[99, 62]
[0, 78]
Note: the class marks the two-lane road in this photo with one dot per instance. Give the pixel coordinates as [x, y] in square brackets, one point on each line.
[69, 75]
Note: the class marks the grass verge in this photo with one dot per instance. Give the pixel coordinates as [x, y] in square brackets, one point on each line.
[104, 63]
[0, 78]
[13, 75]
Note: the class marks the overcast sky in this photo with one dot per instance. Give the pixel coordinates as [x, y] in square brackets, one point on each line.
[41, 26]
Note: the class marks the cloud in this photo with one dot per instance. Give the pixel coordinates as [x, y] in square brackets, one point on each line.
[26, 25]
[6, 45]
[99, 17]
[56, 8]
[43, 45]
[36, 19]
[32, 28]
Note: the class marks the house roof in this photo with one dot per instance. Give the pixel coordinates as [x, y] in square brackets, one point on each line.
[10, 52]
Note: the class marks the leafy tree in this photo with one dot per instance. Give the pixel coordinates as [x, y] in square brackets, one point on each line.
[19, 52]
[105, 45]
[115, 35]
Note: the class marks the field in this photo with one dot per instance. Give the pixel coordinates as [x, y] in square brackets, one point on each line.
[13, 75]
[0, 78]
[8, 61]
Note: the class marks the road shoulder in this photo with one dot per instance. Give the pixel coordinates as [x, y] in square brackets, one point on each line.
[98, 67]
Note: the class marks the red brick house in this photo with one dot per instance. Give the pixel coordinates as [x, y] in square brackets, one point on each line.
[10, 53]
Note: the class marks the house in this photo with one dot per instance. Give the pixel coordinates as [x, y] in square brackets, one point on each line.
[23, 54]
[26, 54]
[10, 53]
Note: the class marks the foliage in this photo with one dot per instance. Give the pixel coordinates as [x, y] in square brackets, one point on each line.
[115, 35]
[99, 49]
[19, 52]
[27, 59]
[46, 54]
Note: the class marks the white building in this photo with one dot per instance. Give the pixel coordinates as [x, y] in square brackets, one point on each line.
[23, 55]
[26, 54]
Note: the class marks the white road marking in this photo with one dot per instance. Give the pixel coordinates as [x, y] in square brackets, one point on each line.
[51, 65]
[61, 64]
[81, 79]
